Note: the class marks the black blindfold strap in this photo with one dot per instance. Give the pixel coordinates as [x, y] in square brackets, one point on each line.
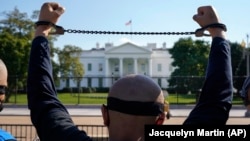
[1, 106]
[2, 89]
[135, 107]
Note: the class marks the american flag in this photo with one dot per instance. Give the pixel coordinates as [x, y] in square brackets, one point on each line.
[128, 23]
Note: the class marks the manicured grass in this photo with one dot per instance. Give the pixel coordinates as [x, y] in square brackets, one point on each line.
[67, 98]
[191, 99]
[100, 98]
[85, 98]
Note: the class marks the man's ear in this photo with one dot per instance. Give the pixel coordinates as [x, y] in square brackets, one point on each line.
[105, 115]
[160, 119]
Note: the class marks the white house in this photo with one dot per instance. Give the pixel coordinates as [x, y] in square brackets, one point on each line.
[104, 65]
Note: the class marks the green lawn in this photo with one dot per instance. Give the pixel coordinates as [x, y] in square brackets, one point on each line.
[100, 98]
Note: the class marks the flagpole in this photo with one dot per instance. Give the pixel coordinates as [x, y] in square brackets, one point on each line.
[129, 23]
[131, 29]
[247, 53]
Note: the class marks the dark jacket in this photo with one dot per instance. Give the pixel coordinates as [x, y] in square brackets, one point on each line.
[215, 100]
[50, 118]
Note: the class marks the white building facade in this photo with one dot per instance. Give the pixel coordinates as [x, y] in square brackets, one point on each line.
[103, 66]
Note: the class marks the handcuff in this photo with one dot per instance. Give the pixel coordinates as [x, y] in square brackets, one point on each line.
[59, 30]
[200, 32]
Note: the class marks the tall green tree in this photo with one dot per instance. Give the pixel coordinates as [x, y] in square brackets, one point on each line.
[190, 61]
[16, 32]
[239, 57]
[70, 63]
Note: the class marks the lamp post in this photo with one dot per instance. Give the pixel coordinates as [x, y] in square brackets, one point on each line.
[247, 54]
[112, 78]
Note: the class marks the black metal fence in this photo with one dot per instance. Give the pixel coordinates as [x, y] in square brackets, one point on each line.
[176, 84]
[179, 86]
[27, 132]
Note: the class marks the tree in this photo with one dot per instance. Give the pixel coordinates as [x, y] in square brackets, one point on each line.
[16, 32]
[70, 64]
[238, 65]
[190, 61]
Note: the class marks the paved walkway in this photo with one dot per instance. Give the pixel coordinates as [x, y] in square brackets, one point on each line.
[94, 110]
[16, 115]
[91, 115]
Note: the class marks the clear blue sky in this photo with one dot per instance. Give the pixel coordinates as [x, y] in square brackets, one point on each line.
[146, 16]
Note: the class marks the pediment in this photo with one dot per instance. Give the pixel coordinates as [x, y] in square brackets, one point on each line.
[128, 48]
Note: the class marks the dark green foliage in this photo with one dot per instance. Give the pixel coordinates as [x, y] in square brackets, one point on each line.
[190, 61]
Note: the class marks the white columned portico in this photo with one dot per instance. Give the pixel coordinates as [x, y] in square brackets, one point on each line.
[150, 66]
[121, 66]
[107, 66]
[107, 72]
[135, 66]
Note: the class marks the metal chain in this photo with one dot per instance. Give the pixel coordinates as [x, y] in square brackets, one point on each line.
[60, 30]
[198, 33]
[127, 33]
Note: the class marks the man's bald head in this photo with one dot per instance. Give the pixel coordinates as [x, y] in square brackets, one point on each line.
[133, 101]
[3, 83]
[136, 95]
[3, 73]
[137, 88]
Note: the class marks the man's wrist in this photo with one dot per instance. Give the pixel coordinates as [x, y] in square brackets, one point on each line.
[217, 32]
[42, 30]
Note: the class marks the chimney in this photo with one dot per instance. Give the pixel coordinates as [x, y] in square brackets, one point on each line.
[97, 45]
[164, 45]
[151, 45]
[107, 45]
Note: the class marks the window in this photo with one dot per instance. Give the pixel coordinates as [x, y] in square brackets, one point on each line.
[159, 67]
[143, 67]
[89, 82]
[100, 83]
[159, 81]
[89, 67]
[100, 67]
[116, 68]
[130, 68]
[68, 82]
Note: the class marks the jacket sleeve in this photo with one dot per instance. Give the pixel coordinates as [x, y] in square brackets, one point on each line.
[50, 118]
[215, 100]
